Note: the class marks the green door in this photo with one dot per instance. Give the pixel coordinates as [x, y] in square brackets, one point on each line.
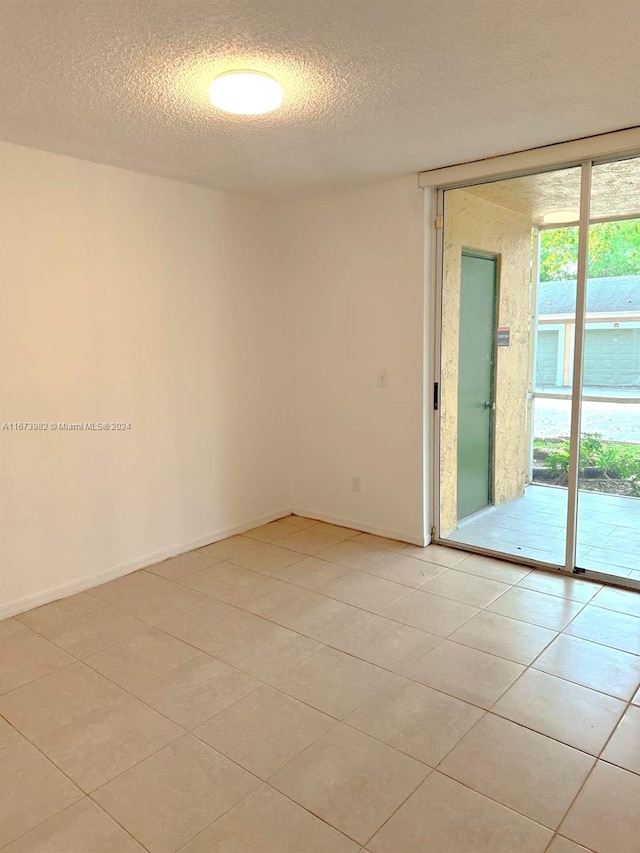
[475, 382]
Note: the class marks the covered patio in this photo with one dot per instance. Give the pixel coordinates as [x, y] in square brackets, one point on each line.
[533, 526]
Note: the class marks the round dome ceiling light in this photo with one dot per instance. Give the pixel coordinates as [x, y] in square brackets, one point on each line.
[561, 217]
[246, 93]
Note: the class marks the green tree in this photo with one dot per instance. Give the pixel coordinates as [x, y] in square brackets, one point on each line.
[614, 249]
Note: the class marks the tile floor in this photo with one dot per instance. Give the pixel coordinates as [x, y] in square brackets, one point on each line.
[305, 687]
[534, 526]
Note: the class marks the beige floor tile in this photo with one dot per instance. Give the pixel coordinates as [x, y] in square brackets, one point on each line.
[379, 542]
[129, 586]
[561, 585]
[181, 567]
[12, 631]
[607, 627]
[28, 659]
[241, 639]
[547, 611]
[279, 650]
[225, 548]
[58, 613]
[351, 781]
[266, 650]
[268, 532]
[33, 790]
[592, 665]
[264, 731]
[466, 673]
[405, 569]
[273, 599]
[310, 541]
[265, 559]
[141, 658]
[354, 555]
[221, 580]
[314, 573]
[468, 589]
[55, 700]
[491, 568]
[324, 619]
[636, 698]
[416, 720]
[333, 682]
[97, 631]
[504, 637]
[348, 585]
[155, 608]
[563, 845]
[100, 745]
[552, 706]
[621, 600]
[605, 816]
[624, 747]
[298, 521]
[531, 774]
[81, 828]
[9, 737]
[149, 597]
[194, 691]
[430, 613]
[364, 590]
[298, 609]
[439, 554]
[336, 530]
[267, 822]
[383, 642]
[446, 817]
[170, 797]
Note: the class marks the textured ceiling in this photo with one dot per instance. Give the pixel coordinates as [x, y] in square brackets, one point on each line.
[615, 191]
[373, 88]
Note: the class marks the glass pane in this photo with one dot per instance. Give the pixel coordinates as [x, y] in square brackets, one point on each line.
[608, 533]
[508, 305]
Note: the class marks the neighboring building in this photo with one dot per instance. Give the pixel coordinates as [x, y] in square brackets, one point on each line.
[612, 333]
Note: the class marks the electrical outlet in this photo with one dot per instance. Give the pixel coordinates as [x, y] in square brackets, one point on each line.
[355, 484]
[382, 380]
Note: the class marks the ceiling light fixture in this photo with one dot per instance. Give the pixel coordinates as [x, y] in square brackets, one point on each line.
[561, 216]
[246, 93]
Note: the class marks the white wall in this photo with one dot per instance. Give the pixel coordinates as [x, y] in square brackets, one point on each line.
[355, 278]
[134, 299]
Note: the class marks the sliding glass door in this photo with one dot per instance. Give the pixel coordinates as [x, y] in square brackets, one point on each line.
[538, 399]
[608, 515]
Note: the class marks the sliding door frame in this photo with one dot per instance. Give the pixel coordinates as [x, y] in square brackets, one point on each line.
[625, 145]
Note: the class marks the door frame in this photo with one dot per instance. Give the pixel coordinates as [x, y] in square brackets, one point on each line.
[497, 169]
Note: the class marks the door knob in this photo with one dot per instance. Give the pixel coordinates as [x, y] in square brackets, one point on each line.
[490, 405]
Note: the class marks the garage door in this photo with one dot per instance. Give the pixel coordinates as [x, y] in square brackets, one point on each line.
[547, 358]
[612, 358]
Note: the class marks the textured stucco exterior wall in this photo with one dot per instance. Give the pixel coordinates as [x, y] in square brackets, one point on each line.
[472, 223]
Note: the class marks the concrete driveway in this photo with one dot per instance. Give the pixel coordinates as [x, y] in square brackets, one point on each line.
[614, 421]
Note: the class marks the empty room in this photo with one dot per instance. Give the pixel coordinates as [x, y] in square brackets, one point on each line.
[320, 426]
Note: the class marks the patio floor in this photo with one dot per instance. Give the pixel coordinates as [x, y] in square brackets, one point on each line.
[534, 526]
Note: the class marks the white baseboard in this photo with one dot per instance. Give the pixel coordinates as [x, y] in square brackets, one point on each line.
[12, 608]
[387, 532]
